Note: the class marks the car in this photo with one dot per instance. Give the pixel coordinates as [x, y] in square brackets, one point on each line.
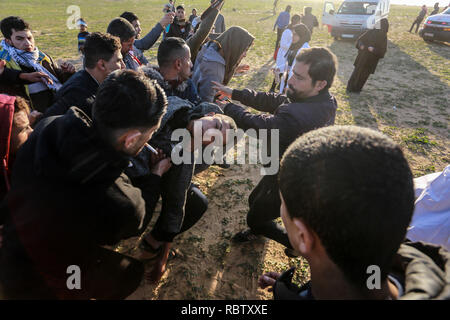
[354, 17]
[437, 27]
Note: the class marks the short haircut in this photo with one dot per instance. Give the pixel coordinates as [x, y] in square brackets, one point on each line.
[353, 187]
[121, 28]
[128, 99]
[227, 119]
[288, 8]
[295, 19]
[99, 46]
[10, 23]
[322, 64]
[180, 7]
[170, 49]
[20, 104]
[129, 16]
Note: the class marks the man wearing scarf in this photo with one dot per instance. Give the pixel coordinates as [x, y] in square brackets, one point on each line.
[372, 46]
[21, 54]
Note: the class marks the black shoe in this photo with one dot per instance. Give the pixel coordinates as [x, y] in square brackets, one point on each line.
[244, 236]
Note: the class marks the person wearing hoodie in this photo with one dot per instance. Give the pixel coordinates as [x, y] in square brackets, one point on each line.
[218, 60]
[70, 197]
[435, 9]
[348, 215]
[419, 19]
[309, 19]
[372, 46]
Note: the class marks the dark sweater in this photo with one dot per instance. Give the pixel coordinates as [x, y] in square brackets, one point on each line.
[78, 91]
[69, 196]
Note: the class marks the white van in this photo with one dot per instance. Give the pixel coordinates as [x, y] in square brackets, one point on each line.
[354, 17]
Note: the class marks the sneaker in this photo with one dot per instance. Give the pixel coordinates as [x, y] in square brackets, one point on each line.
[244, 236]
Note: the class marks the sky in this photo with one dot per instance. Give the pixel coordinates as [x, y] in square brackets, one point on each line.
[429, 3]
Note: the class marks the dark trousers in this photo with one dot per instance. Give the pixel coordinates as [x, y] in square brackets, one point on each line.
[195, 206]
[416, 22]
[358, 79]
[265, 202]
[105, 275]
[279, 34]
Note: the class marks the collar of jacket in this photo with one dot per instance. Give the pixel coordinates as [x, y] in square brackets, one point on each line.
[321, 97]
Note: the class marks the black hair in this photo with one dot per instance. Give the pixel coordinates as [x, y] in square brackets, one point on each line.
[121, 28]
[128, 99]
[129, 16]
[10, 23]
[288, 8]
[180, 7]
[322, 64]
[99, 46]
[353, 187]
[170, 49]
[295, 19]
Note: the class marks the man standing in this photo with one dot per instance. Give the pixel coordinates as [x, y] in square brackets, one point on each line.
[281, 24]
[101, 57]
[180, 27]
[419, 18]
[21, 54]
[309, 19]
[307, 106]
[70, 197]
[219, 25]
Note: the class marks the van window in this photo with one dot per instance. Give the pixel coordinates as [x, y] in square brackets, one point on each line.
[363, 8]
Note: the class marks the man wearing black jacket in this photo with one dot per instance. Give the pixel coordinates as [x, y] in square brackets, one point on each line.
[70, 197]
[101, 57]
[307, 106]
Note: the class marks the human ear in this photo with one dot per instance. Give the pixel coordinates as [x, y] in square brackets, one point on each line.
[131, 138]
[320, 84]
[8, 41]
[304, 235]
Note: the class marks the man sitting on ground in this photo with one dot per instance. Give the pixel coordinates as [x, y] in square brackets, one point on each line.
[21, 54]
[347, 200]
[101, 57]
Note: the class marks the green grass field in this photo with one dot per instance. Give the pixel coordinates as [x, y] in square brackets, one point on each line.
[408, 98]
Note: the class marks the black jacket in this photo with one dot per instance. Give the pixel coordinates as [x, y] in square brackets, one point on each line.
[69, 196]
[78, 91]
[422, 269]
[291, 118]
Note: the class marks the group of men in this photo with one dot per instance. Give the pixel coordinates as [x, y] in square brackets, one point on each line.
[99, 160]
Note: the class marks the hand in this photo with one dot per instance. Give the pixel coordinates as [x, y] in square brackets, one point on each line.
[221, 89]
[2, 66]
[36, 77]
[268, 280]
[371, 49]
[159, 163]
[33, 117]
[221, 103]
[67, 67]
[242, 68]
[167, 19]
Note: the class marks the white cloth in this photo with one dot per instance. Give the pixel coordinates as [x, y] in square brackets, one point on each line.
[289, 75]
[431, 219]
[285, 43]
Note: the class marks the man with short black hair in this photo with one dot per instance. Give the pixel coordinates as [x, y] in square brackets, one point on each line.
[180, 27]
[347, 199]
[21, 55]
[101, 57]
[123, 29]
[70, 197]
[140, 45]
[307, 106]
